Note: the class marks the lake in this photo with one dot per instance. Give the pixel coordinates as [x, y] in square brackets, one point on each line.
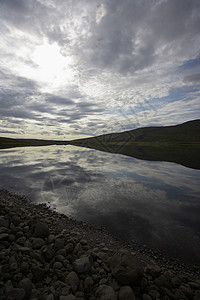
[152, 203]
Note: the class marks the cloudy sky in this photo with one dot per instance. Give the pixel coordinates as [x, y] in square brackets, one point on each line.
[76, 68]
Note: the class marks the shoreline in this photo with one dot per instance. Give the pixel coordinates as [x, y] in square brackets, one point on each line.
[87, 238]
[99, 235]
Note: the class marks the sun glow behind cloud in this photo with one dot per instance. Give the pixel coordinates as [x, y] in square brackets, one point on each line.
[52, 67]
[79, 68]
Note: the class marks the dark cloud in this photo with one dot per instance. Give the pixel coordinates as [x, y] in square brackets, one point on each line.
[57, 100]
[192, 78]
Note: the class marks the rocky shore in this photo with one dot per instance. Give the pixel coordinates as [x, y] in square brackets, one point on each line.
[46, 255]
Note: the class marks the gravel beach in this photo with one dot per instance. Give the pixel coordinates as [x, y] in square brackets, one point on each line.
[46, 255]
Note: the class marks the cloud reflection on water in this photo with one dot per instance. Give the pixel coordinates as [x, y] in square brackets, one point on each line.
[154, 203]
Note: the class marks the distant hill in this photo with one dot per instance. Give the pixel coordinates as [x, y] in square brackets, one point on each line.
[188, 132]
[10, 142]
[179, 143]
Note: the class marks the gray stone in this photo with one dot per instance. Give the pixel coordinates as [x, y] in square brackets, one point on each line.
[38, 273]
[16, 220]
[26, 284]
[48, 253]
[41, 230]
[57, 265]
[105, 292]
[179, 294]
[59, 244]
[77, 248]
[21, 241]
[16, 294]
[153, 270]
[59, 258]
[38, 243]
[186, 291]
[73, 280]
[61, 252]
[68, 297]
[125, 268]
[11, 237]
[4, 222]
[146, 297]
[103, 281]
[65, 290]
[163, 281]
[50, 297]
[88, 283]
[82, 265]
[175, 282]
[25, 250]
[24, 267]
[4, 236]
[126, 293]
[196, 297]
[69, 248]
[154, 294]
[194, 285]
[3, 230]
[51, 238]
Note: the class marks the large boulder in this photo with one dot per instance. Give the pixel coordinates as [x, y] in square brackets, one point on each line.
[126, 269]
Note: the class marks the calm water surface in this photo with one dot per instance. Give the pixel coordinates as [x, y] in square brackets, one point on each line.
[153, 203]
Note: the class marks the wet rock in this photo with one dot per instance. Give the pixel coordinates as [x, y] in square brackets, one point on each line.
[41, 230]
[105, 292]
[126, 293]
[125, 268]
[82, 265]
[73, 280]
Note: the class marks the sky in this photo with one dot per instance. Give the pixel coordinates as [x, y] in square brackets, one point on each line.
[76, 68]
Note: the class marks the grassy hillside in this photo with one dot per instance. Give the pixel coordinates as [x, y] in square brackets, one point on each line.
[185, 133]
[179, 144]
